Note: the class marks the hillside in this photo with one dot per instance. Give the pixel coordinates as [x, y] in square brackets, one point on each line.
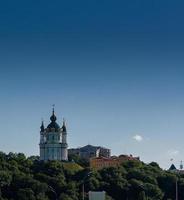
[24, 178]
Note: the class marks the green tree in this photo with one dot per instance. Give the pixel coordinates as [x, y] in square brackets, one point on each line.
[107, 197]
[141, 196]
[167, 183]
[25, 194]
[153, 191]
[64, 196]
[5, 179]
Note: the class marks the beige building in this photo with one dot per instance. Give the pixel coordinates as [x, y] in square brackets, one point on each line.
[114, 161]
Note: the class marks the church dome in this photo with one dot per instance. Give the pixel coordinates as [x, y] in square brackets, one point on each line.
[53, 118]
[53, 123]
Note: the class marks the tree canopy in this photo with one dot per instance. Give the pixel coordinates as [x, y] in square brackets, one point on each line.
[24, 178]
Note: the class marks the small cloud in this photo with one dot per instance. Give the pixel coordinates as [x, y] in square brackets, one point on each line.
[173, 152]
[138, 138]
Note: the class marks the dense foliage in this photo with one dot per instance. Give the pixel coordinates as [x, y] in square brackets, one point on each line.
[24, 178]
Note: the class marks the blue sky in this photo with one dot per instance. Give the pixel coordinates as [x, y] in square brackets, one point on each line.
[114, 70]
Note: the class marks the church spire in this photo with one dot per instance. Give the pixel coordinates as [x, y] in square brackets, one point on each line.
[42, 127]
[181, 165]
[53, 117]
[64, 125]
[53, 123]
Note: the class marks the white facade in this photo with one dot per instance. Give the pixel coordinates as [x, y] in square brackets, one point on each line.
[53, 141]
[96, 195]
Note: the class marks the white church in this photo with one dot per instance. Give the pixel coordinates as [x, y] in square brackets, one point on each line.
[53, 141]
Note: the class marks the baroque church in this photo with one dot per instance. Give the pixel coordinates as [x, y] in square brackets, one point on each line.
[53, 141]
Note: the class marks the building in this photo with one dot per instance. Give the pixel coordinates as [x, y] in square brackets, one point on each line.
[173, 169]
[96, 195]
[53, 141]
[90, 151]
[101, 162]
[114, 161]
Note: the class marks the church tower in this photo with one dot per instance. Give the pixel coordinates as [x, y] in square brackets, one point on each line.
[53, 141]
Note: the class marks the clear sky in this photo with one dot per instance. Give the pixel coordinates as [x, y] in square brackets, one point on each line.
[114, 70]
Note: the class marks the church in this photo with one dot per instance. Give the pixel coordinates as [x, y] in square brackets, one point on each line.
[53, 141]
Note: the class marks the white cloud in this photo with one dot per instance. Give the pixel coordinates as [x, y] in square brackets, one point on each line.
[138, 138]
[173, 152]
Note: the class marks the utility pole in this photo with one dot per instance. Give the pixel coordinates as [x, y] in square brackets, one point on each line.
[83, 191]
[176, 189]
[83, 181]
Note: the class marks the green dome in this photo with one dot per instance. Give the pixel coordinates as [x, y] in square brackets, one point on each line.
[53, 123]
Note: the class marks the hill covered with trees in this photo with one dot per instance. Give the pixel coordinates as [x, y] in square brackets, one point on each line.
[24, 178]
